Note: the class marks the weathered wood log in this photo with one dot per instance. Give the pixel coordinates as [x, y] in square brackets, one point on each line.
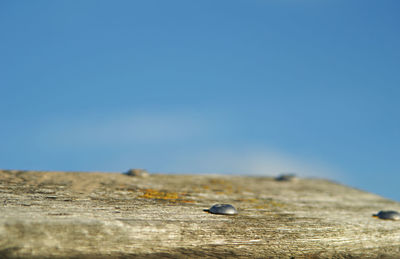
[104, 215]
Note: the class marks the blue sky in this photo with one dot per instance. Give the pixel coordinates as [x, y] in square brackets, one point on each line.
[235, 87]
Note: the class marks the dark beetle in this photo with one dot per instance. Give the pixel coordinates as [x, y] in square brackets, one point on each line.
[388, 214]
[224, 209]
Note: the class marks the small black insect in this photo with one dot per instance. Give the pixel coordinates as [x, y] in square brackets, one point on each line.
[285, 178]
[388, 214]
[223, 209]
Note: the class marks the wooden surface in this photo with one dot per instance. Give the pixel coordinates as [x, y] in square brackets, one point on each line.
[108, 215]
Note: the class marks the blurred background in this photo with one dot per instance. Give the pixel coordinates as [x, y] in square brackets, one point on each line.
[250, 87]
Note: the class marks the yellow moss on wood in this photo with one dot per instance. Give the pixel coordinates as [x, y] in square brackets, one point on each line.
[164, 195]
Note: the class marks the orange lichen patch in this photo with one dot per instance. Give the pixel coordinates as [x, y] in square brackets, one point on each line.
[164, 195]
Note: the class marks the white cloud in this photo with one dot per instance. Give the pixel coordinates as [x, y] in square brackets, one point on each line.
[249, 161]
[170, 143]
[125, 129]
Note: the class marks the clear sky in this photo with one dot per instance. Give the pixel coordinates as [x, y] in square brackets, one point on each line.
[255, 87]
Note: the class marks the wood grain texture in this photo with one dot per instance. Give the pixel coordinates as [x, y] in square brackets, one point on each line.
[111, 215]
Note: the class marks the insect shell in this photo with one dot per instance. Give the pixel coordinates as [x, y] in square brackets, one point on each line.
[223, 209]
